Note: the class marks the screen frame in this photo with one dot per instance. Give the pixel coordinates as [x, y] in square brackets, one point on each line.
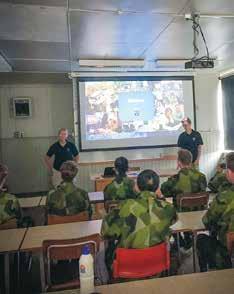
[131, 78]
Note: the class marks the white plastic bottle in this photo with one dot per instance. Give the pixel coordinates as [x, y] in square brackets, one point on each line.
[86, 269]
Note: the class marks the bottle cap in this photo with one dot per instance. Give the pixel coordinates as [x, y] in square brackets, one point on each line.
[86, 250]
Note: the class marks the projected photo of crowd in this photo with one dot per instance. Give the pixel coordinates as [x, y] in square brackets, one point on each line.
[132, 109]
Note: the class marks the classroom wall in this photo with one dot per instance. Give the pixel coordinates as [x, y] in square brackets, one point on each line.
[52, 109]
[53, 99]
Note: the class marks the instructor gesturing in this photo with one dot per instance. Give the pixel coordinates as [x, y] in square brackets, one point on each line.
[62, 150]
[191, 140]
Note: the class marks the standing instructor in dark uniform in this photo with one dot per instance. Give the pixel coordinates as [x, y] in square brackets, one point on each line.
[191, 140]
[62, 150]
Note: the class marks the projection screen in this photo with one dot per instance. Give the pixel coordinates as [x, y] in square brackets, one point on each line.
[133, 112]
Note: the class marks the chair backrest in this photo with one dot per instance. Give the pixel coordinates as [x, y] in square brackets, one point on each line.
[58, 219]
[192, 200]
[230, 242]
[11, 224]
[66, 250]
[111, 204]
[141, 263]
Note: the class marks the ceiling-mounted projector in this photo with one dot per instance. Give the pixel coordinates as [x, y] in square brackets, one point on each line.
[199, 64]
[111, 63]
[196, 62]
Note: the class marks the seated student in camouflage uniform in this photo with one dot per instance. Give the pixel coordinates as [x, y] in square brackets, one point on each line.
[188, 179]
[67, 199]
[9, 204]
[219, 179]
[219, 219]
[138, 223]
[121, 187]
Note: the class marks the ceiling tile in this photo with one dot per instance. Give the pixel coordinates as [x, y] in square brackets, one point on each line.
[213, 6]
[33, 49]
[55, 3]
[111, 35]
[33, 23]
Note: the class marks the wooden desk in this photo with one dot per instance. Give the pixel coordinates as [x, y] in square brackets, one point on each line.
[101, 182]
[10, 241]
[36, 235]
[29, 202]
[216, 282]
[94, 197]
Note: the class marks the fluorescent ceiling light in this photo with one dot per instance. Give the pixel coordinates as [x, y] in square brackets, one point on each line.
[111, 63]
[227, 73]
[171, 62]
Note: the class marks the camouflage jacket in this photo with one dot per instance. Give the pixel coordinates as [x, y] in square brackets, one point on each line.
[217, 181]
[219, 218]
[186, 181]
[68, 199]
[9, 207]
[139, 223]
[122, 191]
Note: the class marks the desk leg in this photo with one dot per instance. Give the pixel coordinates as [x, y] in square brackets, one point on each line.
[7, 273]
[42, 272]
[194, 251]
[18, 270]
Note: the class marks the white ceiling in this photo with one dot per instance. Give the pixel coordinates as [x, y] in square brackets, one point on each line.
[50, 35]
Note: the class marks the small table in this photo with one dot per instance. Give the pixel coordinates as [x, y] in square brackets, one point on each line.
[10, 243]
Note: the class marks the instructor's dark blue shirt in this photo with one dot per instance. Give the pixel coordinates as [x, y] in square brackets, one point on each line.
[190, 142]
[62, 153]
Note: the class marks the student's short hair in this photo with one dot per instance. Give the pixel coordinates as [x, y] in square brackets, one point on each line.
[62, 130]
[230, 161]
[222, 165]
[148, 180]
[187, 119]
[185, 157]
[68, 171]
[121, 164]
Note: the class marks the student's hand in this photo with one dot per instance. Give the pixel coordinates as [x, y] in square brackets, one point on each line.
[158, 193]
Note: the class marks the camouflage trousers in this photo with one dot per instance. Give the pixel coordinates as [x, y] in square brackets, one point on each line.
[212, 254]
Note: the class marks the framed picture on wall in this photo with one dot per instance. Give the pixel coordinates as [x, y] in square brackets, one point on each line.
[22, 107]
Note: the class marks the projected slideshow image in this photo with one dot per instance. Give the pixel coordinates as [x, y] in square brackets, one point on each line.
[132, 109]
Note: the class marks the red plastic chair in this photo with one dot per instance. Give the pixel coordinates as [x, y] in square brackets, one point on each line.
[141, 263]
